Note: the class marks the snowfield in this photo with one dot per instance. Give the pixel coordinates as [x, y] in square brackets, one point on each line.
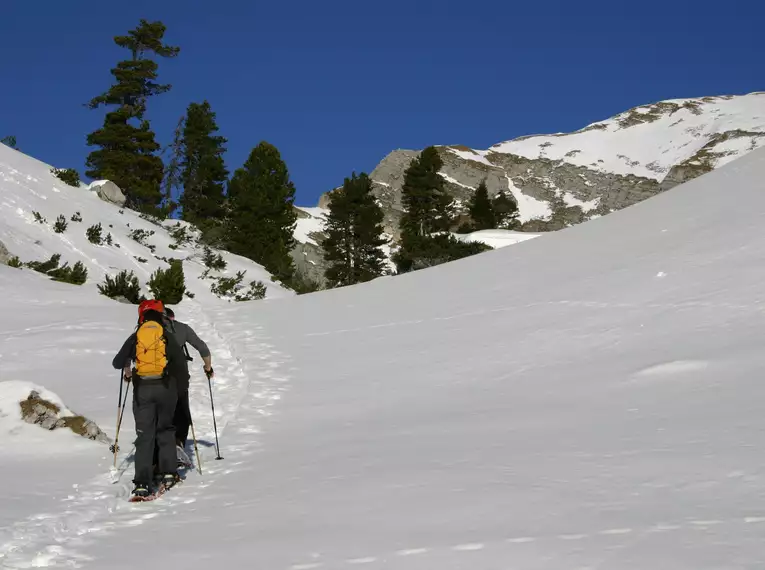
[648, 140]
[591, 398]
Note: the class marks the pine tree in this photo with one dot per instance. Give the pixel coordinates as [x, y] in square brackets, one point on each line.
[127, 154]
[428, 210]
[172, 178]
[263, 218]
[354, 234]
[427, 204]
[203, 172]
[481, 210]
[505, 210]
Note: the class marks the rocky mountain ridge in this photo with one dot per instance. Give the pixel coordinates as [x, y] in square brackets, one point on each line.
[563, 179]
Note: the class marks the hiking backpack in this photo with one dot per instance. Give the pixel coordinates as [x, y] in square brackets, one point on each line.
[150, 350]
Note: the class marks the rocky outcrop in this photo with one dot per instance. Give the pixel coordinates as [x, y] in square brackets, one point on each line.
[5, 255]
[36, 410]
[108, 191]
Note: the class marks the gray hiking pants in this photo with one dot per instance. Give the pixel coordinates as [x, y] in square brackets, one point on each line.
[153, 408]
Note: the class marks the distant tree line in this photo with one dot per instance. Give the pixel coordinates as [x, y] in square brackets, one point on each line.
[251, 211]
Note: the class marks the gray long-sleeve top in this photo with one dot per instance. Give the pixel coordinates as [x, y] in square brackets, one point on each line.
[185, 334]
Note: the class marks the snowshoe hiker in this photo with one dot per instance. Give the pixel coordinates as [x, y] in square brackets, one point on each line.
[160, 366]
[185, 334]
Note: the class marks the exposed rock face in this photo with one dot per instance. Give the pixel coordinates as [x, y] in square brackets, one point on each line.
[35, 410]
[108, 191]
[5, 255]
[567, 178]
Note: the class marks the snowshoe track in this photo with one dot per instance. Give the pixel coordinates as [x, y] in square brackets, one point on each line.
[98, 507]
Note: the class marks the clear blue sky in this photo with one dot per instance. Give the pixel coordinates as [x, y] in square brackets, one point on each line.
[337, 84]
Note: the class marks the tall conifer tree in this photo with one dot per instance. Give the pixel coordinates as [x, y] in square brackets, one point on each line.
[354, 234]
[481, 210]
[128, 149]
[263, 216]
[203, 172]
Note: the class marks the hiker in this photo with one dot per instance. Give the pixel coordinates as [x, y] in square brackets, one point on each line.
[160, 366]
[185, 334]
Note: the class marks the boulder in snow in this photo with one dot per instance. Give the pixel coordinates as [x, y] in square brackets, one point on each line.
[5, 255]
[46, 414]
[108, 191]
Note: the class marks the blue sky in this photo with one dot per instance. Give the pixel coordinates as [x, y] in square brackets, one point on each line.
[337, 84]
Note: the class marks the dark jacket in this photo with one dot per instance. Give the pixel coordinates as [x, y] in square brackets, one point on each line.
[185, 334]
[176, 360]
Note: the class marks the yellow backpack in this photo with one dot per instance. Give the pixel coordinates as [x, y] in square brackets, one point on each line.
[150, 350]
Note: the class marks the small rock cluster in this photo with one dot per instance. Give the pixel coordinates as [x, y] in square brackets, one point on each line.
[36, 410]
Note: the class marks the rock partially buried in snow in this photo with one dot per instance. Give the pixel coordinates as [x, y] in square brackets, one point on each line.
[5, 255]
[46, 414]
[108, 191]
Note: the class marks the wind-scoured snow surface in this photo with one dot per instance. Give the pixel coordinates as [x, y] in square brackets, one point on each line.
[591, 398]
[27, 186]
[648, 140]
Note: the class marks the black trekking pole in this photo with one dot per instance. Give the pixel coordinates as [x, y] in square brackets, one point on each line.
[120, 413]
[212, 404]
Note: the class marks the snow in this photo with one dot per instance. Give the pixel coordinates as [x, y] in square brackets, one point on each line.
[314, 224]
[496, 238]
[470, 154]
[591, 398]
[454, 181]
[650, 149]
[26, 186]
[585, 205]
[529, 208]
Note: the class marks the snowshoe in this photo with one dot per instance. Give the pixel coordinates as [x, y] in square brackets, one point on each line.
[141, 493]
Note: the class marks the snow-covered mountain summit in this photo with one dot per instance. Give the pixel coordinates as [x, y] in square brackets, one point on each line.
[650, 140]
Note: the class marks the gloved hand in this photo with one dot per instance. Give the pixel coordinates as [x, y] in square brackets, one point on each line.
[209, 373]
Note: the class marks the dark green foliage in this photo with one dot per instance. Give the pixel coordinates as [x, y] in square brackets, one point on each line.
[481, 210]
[213, 260]
[189, 294]
[262, 215]
[45, 266]
[255, 292]
[94, 234]
[38, 218]
[9, 141]
[302, 284]
[354, 234]
[76, 217]
[203, 173]
[123, 285]
[140, 259]
[168, 285]
[127, 153]
[67, 175]
[427, 205]
[76, 275]
[181, 234]
[231, 288]
[108, 239]
[505, 210]
[225, 286]
[141, 236]
[425, 252]
[172, 180]
[15, 262]
[60, 226]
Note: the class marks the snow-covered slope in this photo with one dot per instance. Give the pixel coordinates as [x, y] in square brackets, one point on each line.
[590, 398]
[649, 140]
[27, 186]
